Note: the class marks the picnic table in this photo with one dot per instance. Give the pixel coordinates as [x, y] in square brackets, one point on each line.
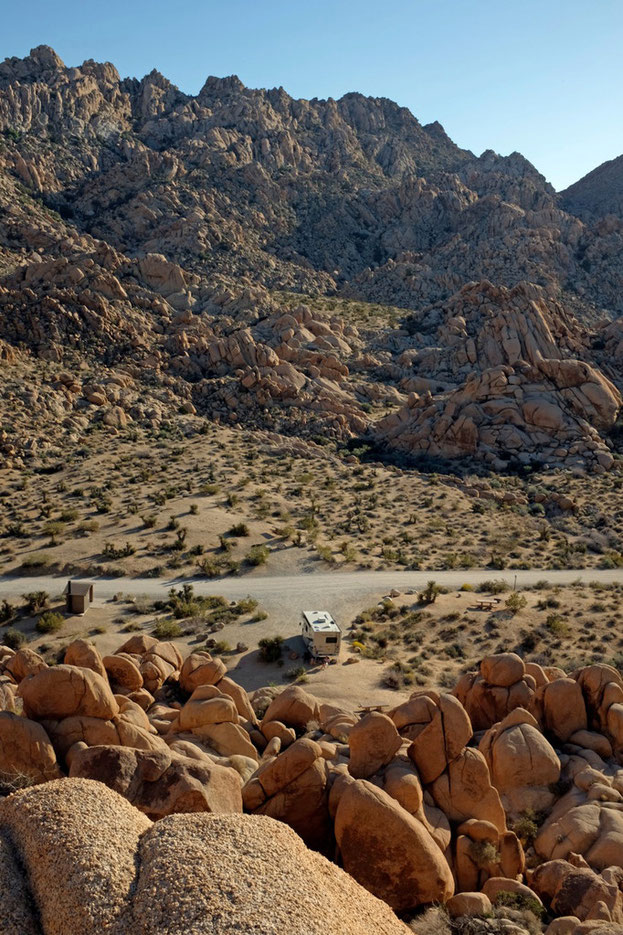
[487, 603]
[367, 708]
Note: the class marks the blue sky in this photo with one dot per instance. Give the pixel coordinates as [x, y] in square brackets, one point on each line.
[540, 76]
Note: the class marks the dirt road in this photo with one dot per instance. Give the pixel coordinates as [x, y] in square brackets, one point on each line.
[344, 594]
[315, 589]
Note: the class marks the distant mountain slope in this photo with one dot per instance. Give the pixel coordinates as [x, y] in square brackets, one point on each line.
[597, 194]
[322, 269]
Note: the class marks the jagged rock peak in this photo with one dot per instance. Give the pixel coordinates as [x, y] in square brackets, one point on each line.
[42, 59]
[214, 84]
[514, 164]
[437, 131]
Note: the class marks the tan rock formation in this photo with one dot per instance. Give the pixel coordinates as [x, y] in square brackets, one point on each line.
[388, 851]
[160, 783]
[77, 857]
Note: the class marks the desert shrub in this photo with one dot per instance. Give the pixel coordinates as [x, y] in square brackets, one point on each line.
[349, 552]
[213, 602]
[309, 522]
[50, 622]
[87, 526]
[520, 902]
[296, 674]
[238, 530]
[7, 611]
[167, 630]
[225, 544]
[467, 560]
[149, 520]
[39, 560]
[445, 680]
[183, 603]
[141, 605]
[35, 601]
[430, 592]
[208, 490]
[54, 528]
[113, 552]
[13, 638]
[259, 616]
[484, 853]
[433, 921]
[257, 555]
[611, 559]
[526, 828]
[193, 509]
[556, 625]
[209, 567]
[221, 647]
[246, 605]
[497, 561]
[398, 675]
[493, 586]
[69, 515]
[325, 553]
[515, 602]
[14, 781]
[271, 648]
[529, 641]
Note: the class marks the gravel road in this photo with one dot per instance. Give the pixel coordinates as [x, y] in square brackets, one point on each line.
[314, 589]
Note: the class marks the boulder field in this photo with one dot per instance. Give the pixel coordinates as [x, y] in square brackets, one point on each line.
[508, 788]
[312, 268]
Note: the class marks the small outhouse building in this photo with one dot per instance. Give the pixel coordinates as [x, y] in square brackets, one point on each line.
[78, 596]
[320, 632]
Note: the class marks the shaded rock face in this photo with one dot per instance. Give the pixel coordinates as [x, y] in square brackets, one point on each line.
[26, 751]
[161, 783]
[388, 851]
[599, 194]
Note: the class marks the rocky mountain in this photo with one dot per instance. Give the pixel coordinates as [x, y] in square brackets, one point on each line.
[599, 194]
[317, 268]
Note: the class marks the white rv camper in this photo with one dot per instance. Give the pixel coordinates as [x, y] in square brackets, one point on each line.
[320, 632]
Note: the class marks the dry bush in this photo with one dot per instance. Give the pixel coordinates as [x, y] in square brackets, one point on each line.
[432, 922]
[14, 781]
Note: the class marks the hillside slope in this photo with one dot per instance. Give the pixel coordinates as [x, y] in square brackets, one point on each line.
[598, 194]
[325, 269]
